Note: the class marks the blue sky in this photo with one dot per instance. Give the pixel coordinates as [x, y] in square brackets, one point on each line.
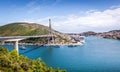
[67, 15]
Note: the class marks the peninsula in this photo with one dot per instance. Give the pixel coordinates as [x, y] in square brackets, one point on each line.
[33, 29]
[113, 34]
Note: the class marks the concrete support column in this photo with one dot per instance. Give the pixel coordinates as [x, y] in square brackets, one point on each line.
[2, 42]
[16, 45]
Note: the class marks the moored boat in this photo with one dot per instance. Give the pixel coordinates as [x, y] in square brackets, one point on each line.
[22, 47]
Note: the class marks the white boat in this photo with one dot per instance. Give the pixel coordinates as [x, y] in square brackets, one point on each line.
[22, 47]
[82, 39]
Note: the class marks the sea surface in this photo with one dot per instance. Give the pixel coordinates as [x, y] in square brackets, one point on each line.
[97, 55]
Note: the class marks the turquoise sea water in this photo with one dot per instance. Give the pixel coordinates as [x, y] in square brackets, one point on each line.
[97, 55]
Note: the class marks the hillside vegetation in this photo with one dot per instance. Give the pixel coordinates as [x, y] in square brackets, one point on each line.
[31, 29]
[12, 62]
[23, 29]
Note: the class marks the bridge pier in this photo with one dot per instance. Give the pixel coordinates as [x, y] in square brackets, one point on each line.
[2, 42]
[16, 45]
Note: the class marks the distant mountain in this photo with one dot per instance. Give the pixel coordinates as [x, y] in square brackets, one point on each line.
[89, 33]
[113, 34]
[23, 29]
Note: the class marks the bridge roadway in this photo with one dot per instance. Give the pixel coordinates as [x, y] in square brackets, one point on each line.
[16, 39]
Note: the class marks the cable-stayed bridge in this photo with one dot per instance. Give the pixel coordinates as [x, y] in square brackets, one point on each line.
[16, 39]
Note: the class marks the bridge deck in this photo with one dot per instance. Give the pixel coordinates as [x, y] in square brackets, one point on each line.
[14, 38]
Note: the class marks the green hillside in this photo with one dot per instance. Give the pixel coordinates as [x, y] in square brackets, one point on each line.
[12, 62]
[23, 29]
[31, 29]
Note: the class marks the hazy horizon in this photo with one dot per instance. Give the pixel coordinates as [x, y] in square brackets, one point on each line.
[68, 16]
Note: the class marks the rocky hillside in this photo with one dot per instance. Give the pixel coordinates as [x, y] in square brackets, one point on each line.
[89, 33]
[114, 34]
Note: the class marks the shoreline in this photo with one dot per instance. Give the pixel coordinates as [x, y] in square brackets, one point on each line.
[65, 44]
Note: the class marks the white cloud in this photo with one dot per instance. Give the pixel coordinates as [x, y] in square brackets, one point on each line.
[37, 5]
[108, 17]
[43, 21]
[31, 3]
[93, 20]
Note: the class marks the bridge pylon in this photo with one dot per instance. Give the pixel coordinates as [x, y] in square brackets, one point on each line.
[16, 45]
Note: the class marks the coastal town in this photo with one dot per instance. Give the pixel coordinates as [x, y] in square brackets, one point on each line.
[113, 34]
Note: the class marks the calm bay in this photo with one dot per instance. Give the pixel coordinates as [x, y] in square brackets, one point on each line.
[97, 55]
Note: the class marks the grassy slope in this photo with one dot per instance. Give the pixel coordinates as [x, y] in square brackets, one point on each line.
[28, 29]
[21, 29]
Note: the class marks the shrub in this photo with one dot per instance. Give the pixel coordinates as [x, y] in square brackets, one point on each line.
[12, 62]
